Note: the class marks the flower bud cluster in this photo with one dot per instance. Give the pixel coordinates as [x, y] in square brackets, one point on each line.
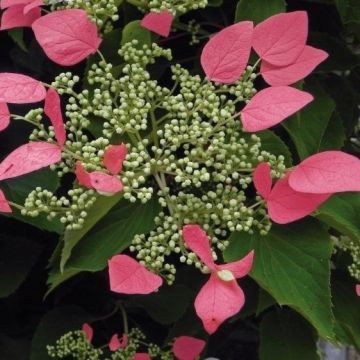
[102, 12]
[176, 7]
[353, 248]
[76, 345]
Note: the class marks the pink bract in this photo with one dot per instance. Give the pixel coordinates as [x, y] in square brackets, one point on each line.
[52, 109]
[142, 356]
[67, 36]
[15, 17]
[32, 5]
[226, 54]
[221, 297]
[286, 205]
[20, 89]
[308, 60]
[114, 157]
[116, 344]
[89, 332]
[4, 116]
[127, 276]
[4, 204]
[357, 289]
[327, 172]
[262, 180]
[101, 182]
[7, 3]
[28, 158]
[271, 106]
[188, 348]
[280, 39]
[159, 23]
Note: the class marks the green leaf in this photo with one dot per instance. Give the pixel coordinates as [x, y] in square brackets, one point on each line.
[134, 31]
[275, 145]
[18, 189]
[110, 236]
[114, 234]
[101, 207]
[292, 263]
[18, 37]
[341, 212]
[340, 58]
[284, 335]
[308, 127]
[265, 300]
[346, 310]
[166, 306]
[17, 257]
[55, 324]
[258, 10]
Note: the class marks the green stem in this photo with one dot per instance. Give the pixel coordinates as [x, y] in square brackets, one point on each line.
[125, 319]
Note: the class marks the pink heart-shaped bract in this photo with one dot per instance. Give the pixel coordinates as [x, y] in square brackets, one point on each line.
[7, 3]
[272, 105]
[226, 54]
[127, 276]
[114, 157]
[327, 172]
[89, 332]
[262, 180]
[52, 109]
[159, 23]
[67, 36]
[28, 158]
[280, 39]
[308, 60]
[15, 17]
[4, 116]
[142, 356]
[4, 204]
[357, 289]
[116, 344]
[188, 347]
[217, 301]
[20, 89]
[32, 5]
[221, 296]
[286, 205]
[101, 182]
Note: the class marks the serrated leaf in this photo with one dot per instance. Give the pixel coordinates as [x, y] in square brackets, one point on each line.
[308, 127]
[292, 263]
[341, 212]
[100, 208]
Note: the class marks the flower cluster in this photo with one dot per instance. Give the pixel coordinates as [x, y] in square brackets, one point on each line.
[189, 143]
[79, 345]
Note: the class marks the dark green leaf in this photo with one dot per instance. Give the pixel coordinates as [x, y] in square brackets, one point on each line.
[18, 37]
[346, 310]
[341, 212]
[17, 257]
[18, 189]
[308, 127]
[285, 335]
[134, 31]
[101, 207]
[258, 10]
[292, 263]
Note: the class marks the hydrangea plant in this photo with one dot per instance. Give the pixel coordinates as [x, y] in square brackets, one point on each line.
[190, 150]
